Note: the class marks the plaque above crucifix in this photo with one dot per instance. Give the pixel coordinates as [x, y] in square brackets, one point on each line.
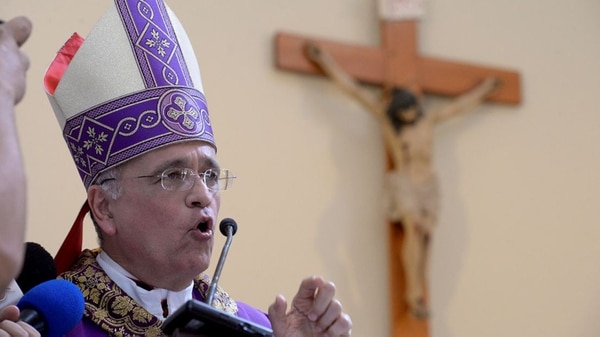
[396, 63]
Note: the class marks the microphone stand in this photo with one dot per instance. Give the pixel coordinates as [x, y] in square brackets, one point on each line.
[227, 229]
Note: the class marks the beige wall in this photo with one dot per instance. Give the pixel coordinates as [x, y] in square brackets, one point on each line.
[516, 252]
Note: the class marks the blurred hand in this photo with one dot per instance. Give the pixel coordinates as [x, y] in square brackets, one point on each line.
[11, 326]
[13, 62]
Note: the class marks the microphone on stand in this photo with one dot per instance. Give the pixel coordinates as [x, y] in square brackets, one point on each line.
[196, 318]
[228, 227]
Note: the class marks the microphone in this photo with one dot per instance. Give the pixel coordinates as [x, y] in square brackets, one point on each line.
[196, 318]
[53, 307]
[228, 227]
[38, 267]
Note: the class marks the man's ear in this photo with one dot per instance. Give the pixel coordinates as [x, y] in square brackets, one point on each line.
[99, 202]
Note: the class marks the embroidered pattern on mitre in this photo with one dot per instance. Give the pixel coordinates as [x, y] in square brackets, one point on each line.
[109, 134]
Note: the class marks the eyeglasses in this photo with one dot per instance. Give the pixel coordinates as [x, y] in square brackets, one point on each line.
[183, 179]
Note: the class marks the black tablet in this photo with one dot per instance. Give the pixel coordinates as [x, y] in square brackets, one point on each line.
[196, 317]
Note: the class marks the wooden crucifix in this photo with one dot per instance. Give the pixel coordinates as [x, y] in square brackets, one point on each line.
[395, 64]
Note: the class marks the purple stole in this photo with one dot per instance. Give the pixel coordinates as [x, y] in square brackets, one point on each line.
[109, 311]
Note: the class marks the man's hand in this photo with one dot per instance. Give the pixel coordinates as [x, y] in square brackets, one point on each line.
[13, 62]
[314, 312]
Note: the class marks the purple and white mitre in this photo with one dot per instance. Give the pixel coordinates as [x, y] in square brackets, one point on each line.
[132, 86]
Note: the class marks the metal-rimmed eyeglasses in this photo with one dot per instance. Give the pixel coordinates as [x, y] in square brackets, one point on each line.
[183, 179]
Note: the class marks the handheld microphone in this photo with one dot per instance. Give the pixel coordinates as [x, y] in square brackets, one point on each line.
[38, 267]
[228, 227]
[53, 308]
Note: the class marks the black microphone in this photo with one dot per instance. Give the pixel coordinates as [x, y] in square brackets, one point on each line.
[53, 308]
[38, 267]
[196, 318]
[228, 228]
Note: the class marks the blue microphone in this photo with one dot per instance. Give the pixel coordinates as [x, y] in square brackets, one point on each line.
[53, 308]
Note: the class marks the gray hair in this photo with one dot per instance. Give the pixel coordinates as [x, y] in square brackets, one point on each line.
[109, 182]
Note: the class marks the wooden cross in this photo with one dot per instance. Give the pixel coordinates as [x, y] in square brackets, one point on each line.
[398, 63]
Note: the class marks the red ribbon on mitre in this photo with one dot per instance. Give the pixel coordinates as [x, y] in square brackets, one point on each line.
[71, 248]
[61, 62]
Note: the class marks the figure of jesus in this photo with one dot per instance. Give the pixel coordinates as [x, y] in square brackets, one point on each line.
[413, 191]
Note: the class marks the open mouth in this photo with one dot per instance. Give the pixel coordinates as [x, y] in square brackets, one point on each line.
[203, 227]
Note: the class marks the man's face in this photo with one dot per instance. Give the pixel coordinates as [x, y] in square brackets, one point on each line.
[163, 237]
[408, 115]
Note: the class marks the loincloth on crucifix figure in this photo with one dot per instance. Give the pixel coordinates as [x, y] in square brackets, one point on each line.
[412, 194]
